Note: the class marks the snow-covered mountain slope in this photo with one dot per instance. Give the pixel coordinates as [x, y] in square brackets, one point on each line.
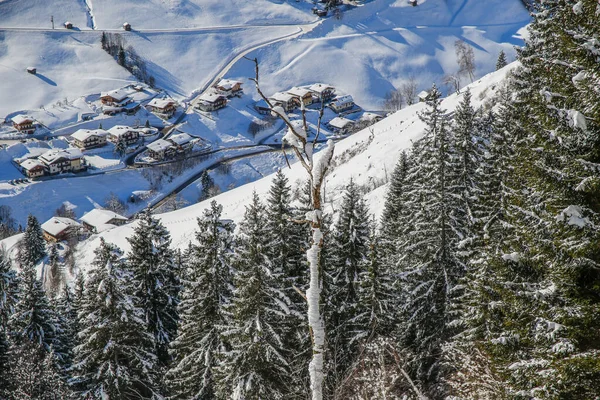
[147, 14]
[379, 46]
[368, 157]
[372, 49]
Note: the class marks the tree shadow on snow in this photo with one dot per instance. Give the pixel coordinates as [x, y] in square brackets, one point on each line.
[45, 79]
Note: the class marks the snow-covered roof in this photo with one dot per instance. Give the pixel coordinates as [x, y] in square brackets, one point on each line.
[423, 95]
[117, 94]
[228, 83]
[83, 134]
[279, 96]
[261, 104]
[159, 145]
[180, 139]
[56, 225]
[119, 130]
[369, 116]
[21, 119]
[211, 97]
[340, 122]
[30, 164]
[299, 91]
[53, 155]
[344, 99]
[161, 103]
[320, 87]
[99, 218]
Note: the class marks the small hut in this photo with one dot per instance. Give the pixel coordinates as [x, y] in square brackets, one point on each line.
[68, 25]
[127, 26]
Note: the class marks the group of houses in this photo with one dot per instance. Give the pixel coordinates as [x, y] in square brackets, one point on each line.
[216, 97]
[163, 149]
[57, 229]
[53, 162]
[305, 96]
[86, 139]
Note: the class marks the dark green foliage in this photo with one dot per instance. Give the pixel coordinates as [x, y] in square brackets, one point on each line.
[116, 355]
[257, 365]
[207, 292]
[33, 246]
[156, 281]
[501, 63]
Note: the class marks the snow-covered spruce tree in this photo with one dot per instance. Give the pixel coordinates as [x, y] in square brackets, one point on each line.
[34, 318]
[547, 347]
[207, 291]
[32, 247]
[303, 149]
[115, 358]
[9, 291]
[258, 364]
[393, 204]
[35, 375]
[349, 251]
[156, 281]
[501, 62]
[430, 268]
[66, 312]
[287, 244]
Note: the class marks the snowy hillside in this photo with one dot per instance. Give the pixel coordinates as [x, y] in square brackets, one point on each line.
[372, 49]
[368, 157]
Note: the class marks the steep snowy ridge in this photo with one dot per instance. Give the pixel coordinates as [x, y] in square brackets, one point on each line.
[368, 157]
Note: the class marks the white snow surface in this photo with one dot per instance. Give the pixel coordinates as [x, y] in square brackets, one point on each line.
[368, 158]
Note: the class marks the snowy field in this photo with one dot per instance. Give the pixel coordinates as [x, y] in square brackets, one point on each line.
[366, 157]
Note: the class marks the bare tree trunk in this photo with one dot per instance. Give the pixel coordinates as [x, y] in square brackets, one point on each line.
[297, 138]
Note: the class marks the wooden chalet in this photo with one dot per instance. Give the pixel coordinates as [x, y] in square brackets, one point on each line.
[423, 96]
[322, 91]
[211, 101]
[122, 133]
[284, 100]
[115, 98]
[161, 149]
[89, 138]
[57, 229]
[262, 107]
[343, 103]
[164, 108]
[57, 161]
[99, 220]
[302, 95]
[182, 142]
[33, 168]
[229, 87]
[340, 125]
[24, 124]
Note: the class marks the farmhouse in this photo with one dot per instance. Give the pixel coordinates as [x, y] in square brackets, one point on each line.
[262, 107]
[229, 87]
[24, 123]
[371, 117]
[59, 228]
[182, 142]
[99, 220]
[342, 103]
[340, 125]
[57, 161]
[33, 168]
[284, 100]
[211, 101]
[122, 133]
[161, 149]
[164, 108]
[115, 98]
[302, 95]
[322, 91]
[89, 138]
